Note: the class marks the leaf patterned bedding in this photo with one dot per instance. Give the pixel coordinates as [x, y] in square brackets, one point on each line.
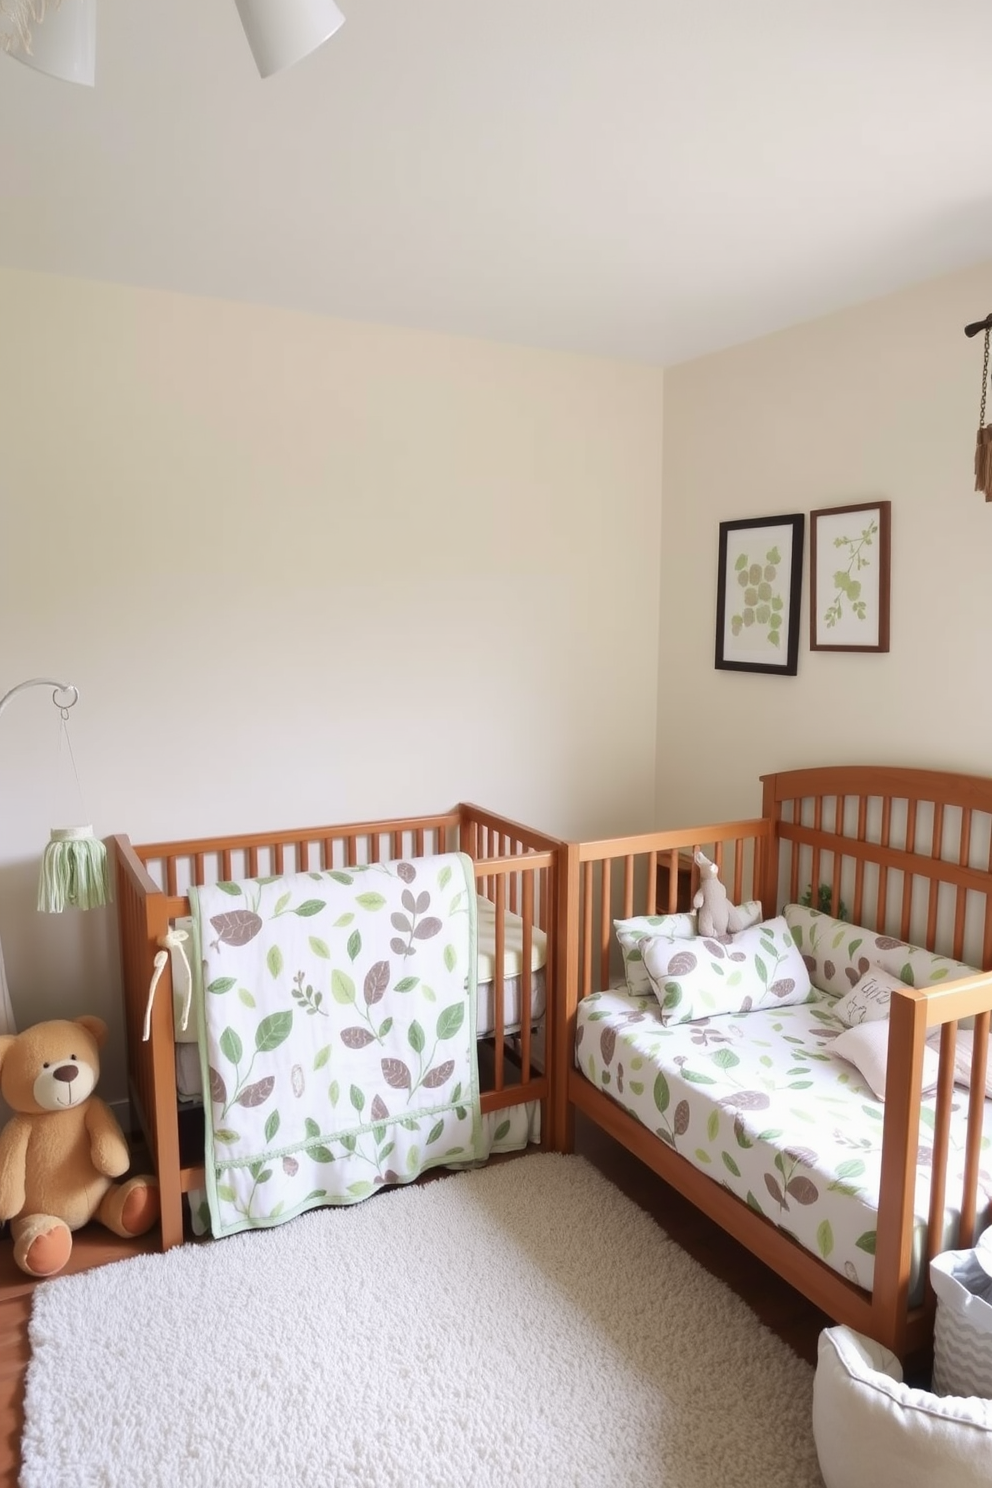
[336, 1023]
[758, 1102]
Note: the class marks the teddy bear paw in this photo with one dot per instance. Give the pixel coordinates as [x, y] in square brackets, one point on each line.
[130, 1208]
[42, 1244]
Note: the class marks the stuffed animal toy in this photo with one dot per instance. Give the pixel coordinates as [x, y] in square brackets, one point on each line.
[715, 915]
[62, 1148]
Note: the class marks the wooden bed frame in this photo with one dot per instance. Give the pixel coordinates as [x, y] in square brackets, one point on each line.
[516, 868]
[907, 852]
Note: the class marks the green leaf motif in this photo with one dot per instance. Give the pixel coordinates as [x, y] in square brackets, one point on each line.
[231, 1046]
[271, 1125]
[334, 1092]
[725, 1059]
[361, 1188]
[320, 947]
[274, 960]
[309, 908]
[662, 1094]
[450, 1020]
[450, 957]
[281, 903]
[866, 1242]
[273, 1031]
[444, 877]
[435, 1132]
[221, 985]
[321, 1057]
[226, 1193]
[370, 901]
[340, 877]
[825, 1238]
[342, 988]
[416, 1037]
[503, 1130]
[729, 1164]
[406, 984]
[713, 1125]
[343, 920]
[226, 1135]
[357, 1099]
[354, 944]
[230, 888]
[245, 996]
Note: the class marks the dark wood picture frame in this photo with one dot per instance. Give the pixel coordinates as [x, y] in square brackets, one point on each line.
[759, 592]
[849, 577]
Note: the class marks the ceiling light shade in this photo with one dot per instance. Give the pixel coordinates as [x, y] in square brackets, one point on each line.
[281, 32]
[57, 38]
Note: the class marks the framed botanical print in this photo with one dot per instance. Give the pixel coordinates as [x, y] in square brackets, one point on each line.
[759, 589]
[849, 577]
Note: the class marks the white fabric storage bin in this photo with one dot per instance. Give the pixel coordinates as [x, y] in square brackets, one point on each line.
[962, 1343]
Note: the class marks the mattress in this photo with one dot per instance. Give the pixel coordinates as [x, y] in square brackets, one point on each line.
[758, 1102]
[188, 1075]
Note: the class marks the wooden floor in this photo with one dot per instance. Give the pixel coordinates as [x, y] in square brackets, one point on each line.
[777, 1305]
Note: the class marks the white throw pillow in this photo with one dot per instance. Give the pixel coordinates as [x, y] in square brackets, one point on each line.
[702, 978]
[869, 998]
[867, 1047]
[870, 1428]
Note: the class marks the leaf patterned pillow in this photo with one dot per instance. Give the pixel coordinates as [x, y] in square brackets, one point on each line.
[702, 978]
[630, 934]
[837, 954]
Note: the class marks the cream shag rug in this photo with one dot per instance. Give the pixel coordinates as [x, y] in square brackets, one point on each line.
[516, 1326]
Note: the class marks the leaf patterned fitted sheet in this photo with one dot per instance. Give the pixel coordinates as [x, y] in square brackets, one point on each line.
[757, 1101]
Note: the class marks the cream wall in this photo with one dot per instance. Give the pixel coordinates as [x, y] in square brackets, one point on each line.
[304, 570]
[878, 402]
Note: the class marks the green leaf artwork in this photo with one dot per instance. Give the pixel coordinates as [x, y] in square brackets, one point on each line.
[847, 588]
[761, 604]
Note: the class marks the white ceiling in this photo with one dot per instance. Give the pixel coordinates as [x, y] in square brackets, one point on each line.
[648, 179]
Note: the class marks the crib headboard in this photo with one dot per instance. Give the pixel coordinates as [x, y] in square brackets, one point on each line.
[905, 852]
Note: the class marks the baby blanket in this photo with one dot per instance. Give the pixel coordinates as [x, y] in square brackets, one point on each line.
[336, 1030]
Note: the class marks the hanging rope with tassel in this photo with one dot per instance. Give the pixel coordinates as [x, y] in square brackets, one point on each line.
[983, 443]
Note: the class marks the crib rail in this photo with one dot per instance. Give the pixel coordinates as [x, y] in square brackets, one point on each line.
[516, 869]
[616, 878]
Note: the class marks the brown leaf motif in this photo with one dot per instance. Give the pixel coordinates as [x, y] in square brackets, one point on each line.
[427, 928]
[783, 987]
[802, 1190]
[376, 982]
[437, 1076]
[771, 1183]
[218, 1090]
[396, 1074]
[407, 872]
[417, 906]
[258, 1093]
[357, 1038]
[746, 1100]
[608, 1044]
[290, 1166]
[680, 1123]
[237, 927]
[715, 948]
[379, 1110]
[681, 964]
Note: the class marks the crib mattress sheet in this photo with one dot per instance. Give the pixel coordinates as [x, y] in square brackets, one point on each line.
[759, 1103]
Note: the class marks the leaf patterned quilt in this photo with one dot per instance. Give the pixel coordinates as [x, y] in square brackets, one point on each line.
[759, 1102]
[337, 1034]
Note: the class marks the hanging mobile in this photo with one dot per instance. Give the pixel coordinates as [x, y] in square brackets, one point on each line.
[75, 873]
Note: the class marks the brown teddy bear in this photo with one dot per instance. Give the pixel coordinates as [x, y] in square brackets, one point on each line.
[62, 1148]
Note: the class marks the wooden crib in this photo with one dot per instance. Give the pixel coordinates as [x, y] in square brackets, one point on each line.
[516, 870]
[904, 852]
